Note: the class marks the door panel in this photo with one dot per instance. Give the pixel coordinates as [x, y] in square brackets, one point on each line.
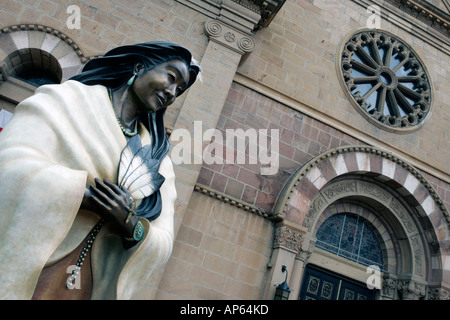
[319, 284]
[351, 291]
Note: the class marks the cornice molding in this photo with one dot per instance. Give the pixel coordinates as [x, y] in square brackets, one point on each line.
[245, 15]
[268, 10]
[425, 12]
[278, 212]
[232, 201]
[426, 25]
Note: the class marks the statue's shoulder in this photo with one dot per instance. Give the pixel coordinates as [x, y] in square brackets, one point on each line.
[69, 86]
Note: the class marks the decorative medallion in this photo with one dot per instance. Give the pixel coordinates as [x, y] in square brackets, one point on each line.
[138, 232]
[385, 80]
[229, 37]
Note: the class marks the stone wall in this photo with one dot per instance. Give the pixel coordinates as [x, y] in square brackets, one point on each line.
[301, 138]
[295, 56]
[221, 252]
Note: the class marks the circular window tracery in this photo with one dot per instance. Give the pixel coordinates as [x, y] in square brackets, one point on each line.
[386, 80]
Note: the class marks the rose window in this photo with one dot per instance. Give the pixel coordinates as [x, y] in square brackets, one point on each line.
[386, 80]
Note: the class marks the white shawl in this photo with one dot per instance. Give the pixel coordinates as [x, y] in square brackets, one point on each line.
[58, 141]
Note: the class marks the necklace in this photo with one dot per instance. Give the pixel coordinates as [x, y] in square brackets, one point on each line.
[70, 282]
[125, 131]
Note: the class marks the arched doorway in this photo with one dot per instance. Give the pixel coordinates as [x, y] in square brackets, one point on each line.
[393, 198]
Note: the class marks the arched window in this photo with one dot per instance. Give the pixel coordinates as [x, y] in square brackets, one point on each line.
[350, 237]
[33, 66]
[34, 55]
[22, 71]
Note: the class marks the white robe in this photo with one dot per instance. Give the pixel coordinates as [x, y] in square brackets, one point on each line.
[58, 141]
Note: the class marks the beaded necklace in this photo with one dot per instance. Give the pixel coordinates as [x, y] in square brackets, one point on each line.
[125, 131]
[70, 282]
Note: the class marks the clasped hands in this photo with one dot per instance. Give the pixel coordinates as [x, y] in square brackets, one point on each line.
[112, 203]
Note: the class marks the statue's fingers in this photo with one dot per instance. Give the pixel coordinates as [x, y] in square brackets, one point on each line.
[101, 198]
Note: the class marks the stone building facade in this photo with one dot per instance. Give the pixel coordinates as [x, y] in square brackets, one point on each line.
[353, 98]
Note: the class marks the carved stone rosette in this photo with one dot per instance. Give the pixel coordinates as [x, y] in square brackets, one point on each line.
[389, 288]
[411, 290]
[436, 293]
[229, 37]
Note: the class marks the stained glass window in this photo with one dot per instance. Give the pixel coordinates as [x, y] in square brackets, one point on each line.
[352, 238]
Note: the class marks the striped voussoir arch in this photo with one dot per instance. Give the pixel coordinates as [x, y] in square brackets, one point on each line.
[296, 197]
[50, 43]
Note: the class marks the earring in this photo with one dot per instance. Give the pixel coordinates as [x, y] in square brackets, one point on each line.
[131, 80]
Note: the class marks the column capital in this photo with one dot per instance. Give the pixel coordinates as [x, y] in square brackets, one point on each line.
[244, 15]
[411, 289]
[289, 236]
[438, 293]
[229, 37]
[389, 287]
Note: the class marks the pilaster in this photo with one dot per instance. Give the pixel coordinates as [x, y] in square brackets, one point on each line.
[205, 100]
[291, 248]
[301, 259]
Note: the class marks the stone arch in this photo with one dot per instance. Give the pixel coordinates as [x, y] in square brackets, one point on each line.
[406, 202]
[48, 41]
[408, 256]
[295, 198]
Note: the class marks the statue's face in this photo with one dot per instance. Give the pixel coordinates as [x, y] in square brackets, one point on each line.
[158, 88]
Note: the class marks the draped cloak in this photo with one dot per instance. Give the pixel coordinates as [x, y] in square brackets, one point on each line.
[58, 141]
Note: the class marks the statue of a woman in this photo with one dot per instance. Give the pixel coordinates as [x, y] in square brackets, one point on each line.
[87, 189]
